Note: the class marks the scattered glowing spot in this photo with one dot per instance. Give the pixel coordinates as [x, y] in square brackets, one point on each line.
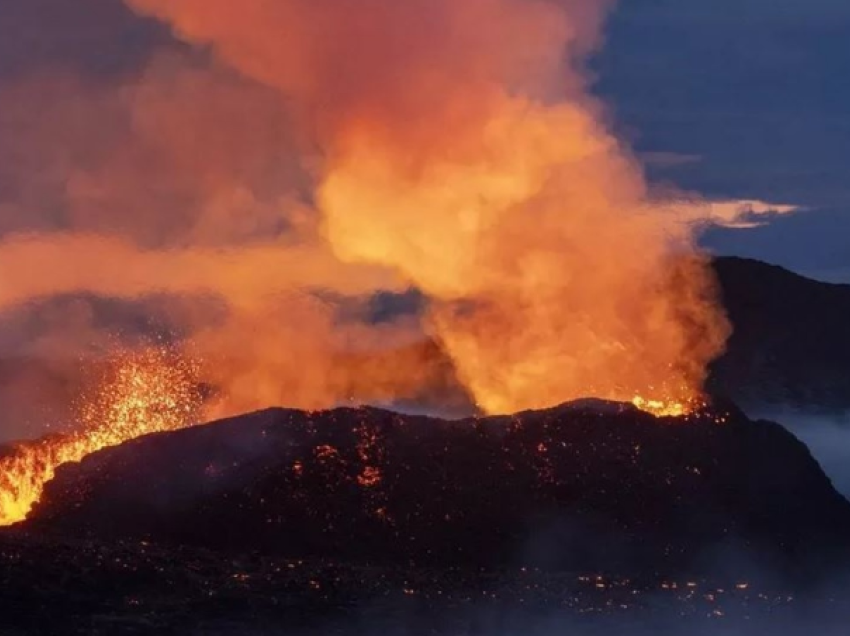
[142, 392]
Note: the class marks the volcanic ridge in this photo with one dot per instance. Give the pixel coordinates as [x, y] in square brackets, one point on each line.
[586, 485]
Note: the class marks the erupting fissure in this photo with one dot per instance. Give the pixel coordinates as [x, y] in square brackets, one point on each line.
[451, 147]
[143, 392]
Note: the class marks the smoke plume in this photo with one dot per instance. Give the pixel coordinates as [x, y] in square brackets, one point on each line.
[306, 154]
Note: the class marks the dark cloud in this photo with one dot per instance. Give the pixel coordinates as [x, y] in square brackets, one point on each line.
[93, 36]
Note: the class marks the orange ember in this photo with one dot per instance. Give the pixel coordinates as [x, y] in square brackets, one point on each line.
[142, 392]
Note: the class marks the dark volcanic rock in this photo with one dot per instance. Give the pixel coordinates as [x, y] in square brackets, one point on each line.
[791, 340]
[78, 587]
[576, 487]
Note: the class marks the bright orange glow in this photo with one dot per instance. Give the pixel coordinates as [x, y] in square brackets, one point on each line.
[142, 392]
[661, 408]
[469, 159]
[323, 152]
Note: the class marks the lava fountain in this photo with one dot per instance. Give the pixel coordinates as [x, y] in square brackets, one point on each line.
[140, 392]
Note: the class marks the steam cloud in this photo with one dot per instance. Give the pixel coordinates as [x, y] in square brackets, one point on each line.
[307, 154]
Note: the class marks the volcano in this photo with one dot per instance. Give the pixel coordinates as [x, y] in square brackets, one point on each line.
[586, 485]
[284, 516]
[790, 345]
[325, 522]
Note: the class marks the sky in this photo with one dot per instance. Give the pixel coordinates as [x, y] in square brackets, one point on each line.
[750, 95]
[742, 99]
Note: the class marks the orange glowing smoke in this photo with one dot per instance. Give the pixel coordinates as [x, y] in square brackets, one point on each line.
[326, 150]
[142, 392]
[460, 148]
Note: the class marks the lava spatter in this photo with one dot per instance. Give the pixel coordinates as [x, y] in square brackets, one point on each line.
[140, 392]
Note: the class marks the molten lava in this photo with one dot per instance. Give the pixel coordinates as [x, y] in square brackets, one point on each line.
[143, 392]
[666, 408]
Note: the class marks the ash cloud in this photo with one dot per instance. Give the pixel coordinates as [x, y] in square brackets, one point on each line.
[455, 149]
[79, 35]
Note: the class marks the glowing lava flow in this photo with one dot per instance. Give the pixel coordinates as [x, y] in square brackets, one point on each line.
[143, 392]
[666, 408]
